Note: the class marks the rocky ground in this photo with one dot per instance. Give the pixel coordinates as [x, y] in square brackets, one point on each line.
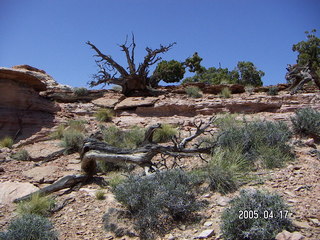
[81, 218]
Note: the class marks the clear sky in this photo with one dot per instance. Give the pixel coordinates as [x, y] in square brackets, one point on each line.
[51, 34]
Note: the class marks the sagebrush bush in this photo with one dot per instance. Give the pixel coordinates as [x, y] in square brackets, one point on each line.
[272, 157]
[193, 92]
[6, 142]
[225, 93]
[30, 227]
[273, 91]
[306, 122]
[255, 215]
[80, 92]
[58, 133]
[72, 140]
[123, 139]
[21, 155]
[78, 125]
[39, 205]
[164, 134]
[156, 201]
[104, 115]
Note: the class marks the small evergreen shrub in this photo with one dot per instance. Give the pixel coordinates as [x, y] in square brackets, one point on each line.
[164, 134]
[104, 115]
[255, 215]
[6, 142]
[158, 200]
[38, 205]
[193, 92]
[273, 91]
[80, 92]
[100, 194]
[306, 122]
[21, 155]
[226, 93]
[123, 139]
[72, 140]
[30, 227]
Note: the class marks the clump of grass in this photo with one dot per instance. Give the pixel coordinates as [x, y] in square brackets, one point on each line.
[157, 201]
[39, 205]
[115, 180]
[100, 195]
[104, 115]
[58, 133]
[255, 215]
[225, 93]
[273, 91]
[123, 139]
[72, 141]
[30, 227]
[6, 142]
[78, 125]
[164, 134]
[306, 122]
[21, 155]
[80, 92]
[193, 92]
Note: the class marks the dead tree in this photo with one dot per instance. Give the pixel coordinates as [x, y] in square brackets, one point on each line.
[95, 150]
[133, 80]
[299, 75]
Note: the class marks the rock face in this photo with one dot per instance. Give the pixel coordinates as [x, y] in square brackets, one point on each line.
[12, 190]
[22, 110]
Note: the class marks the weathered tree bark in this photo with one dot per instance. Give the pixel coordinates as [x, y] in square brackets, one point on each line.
[136, 80]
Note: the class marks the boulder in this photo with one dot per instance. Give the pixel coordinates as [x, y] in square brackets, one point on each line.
[12, 190]
[134, 102]
[41, 174]
[285, 235]
[109, 100]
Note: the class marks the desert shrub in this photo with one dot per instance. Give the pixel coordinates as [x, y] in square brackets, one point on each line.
[156, 201]
[306, 122]
[30, 227]
[58, 133]
[6, 142]
[123, 139]
[72, 140]
[100, 195]
[78, 125]
[115, 180]
[251, 136]
[21, 155]
[164, 133]
[104, 115]
[225, 93]
[272, 157]
[193, 92]
[39, 205]
[80, 92]
[255, 215]
[273, 91]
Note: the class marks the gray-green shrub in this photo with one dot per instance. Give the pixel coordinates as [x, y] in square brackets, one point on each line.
[39, 205]
[255, 215]
[193, 92]
[104, 115]
[30, 227]
[6, 142]
[164, 134]
[72, 140]
[21, 155]
[306, 122]
[156, 201]
[80, 92]
[273, 91]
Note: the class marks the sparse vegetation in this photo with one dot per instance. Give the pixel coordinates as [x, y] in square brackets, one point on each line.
[58, 133]
[273, 91]
[30, 227]
[115, 180]
[255, 215]
[78, 125]
[21, 155]
[39, 205]
[104, 115]
[306, 122]
[164, 134]
[193, 92]
[226, 93]
[72, 140]
[158, 200]
[80, 92]
[100, 194]
[6, 142]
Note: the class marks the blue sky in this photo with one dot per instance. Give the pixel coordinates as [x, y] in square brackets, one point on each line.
[51, 34]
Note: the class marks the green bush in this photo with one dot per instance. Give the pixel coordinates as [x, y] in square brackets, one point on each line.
[30, 227]
[193, 92]
[80, 92]
[306, 122]
[272, 157]
[78, 125]
[104, 115]
[273, 91]
[58, 133]
[123, 139]
[21, 155]
[6, 142]
[38, 205]
[255, 215]
[156, 201]
[164, 134]
[115, 180]
[225, 93]
[100, 194]
[72, 141]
